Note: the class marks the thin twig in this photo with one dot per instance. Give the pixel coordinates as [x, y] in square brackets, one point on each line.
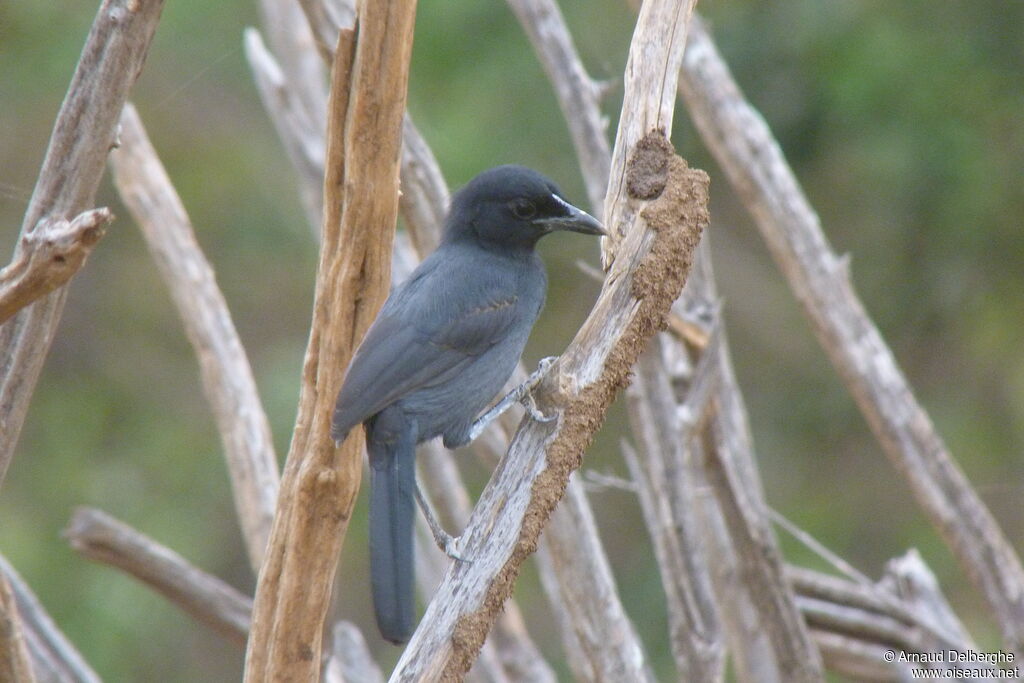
[300, 129]
[599, 637]
[743, 145]
[82, 135]
[818, 548]
[49, 256]
[227, 377]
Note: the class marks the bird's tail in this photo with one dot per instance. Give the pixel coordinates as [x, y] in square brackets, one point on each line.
[392, 511]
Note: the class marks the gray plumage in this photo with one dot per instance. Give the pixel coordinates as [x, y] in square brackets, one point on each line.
[441, 348]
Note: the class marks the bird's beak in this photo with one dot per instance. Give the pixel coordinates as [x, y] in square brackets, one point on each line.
[576, 220]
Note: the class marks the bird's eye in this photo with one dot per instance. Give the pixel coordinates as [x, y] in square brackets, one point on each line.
[523, 209]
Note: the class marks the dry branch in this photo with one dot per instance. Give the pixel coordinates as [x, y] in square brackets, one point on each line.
[656, 243]
[601, 641]
[351, 661]
[697, 646]
[54, 658]
[854, 624]
[48, 257]
[423, 204]
[665, 475]
[596, 631]
[82, 135]
[15, 664]
[510, 652]
[205, 597]
[102, 538]
[300, 125]
[227, 377]
[743, 145]
[578, 94]
[321, 481]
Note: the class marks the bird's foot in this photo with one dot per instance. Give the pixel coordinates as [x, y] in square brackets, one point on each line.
[542, 369]
[453, 547]
[518, 395]
[534, 411]
[530, 384]
[449, 544]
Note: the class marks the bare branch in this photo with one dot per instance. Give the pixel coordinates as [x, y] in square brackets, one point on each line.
[818, 548]
[321, 481]
[227, 377]
[513, 652]
[82, 135]
[578, 95]
[301, 130]
[49, 256]
[910, 579]
[665, 476]
[324, 17]
[15, 664]
[758, 557]
[423, 204]
[601, 642]
[424, 200]
[54, 658]
[573, 565]
[102, 538]
[743, 145]
[351, 661]
[656, 243]
[858, 659]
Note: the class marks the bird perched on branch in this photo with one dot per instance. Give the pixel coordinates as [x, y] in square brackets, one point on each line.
[443, 345]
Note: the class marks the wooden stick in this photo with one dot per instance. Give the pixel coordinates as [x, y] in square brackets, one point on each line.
[53, 656]
[48, 257]
[15, 663]
[227, 377]
[656, 243]
[321, 481]
[744, 147]
[82, 135]
[102, 538]
[423, 204]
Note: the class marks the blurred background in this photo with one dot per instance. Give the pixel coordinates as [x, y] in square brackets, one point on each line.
[904, 122]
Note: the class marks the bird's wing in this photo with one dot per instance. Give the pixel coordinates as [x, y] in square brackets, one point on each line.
[425, 334]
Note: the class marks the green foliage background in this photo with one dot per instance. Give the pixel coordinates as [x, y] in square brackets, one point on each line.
[903, 120]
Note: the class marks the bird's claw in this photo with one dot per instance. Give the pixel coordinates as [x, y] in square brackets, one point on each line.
[453, 549]
[534, 411]
[527, 400]
[542, 369]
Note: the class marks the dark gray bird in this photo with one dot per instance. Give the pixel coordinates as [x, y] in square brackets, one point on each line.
[442, 346]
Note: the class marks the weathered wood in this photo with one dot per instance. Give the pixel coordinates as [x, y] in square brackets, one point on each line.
[102, 538]
[226, 374]
[53, 656]
[742, 143]
[655, 244]
[321, 480]
[666, 477]
[82, 135]
[48, 257]
[15, 664]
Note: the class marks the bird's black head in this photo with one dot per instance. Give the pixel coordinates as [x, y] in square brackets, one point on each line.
[513, 207]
